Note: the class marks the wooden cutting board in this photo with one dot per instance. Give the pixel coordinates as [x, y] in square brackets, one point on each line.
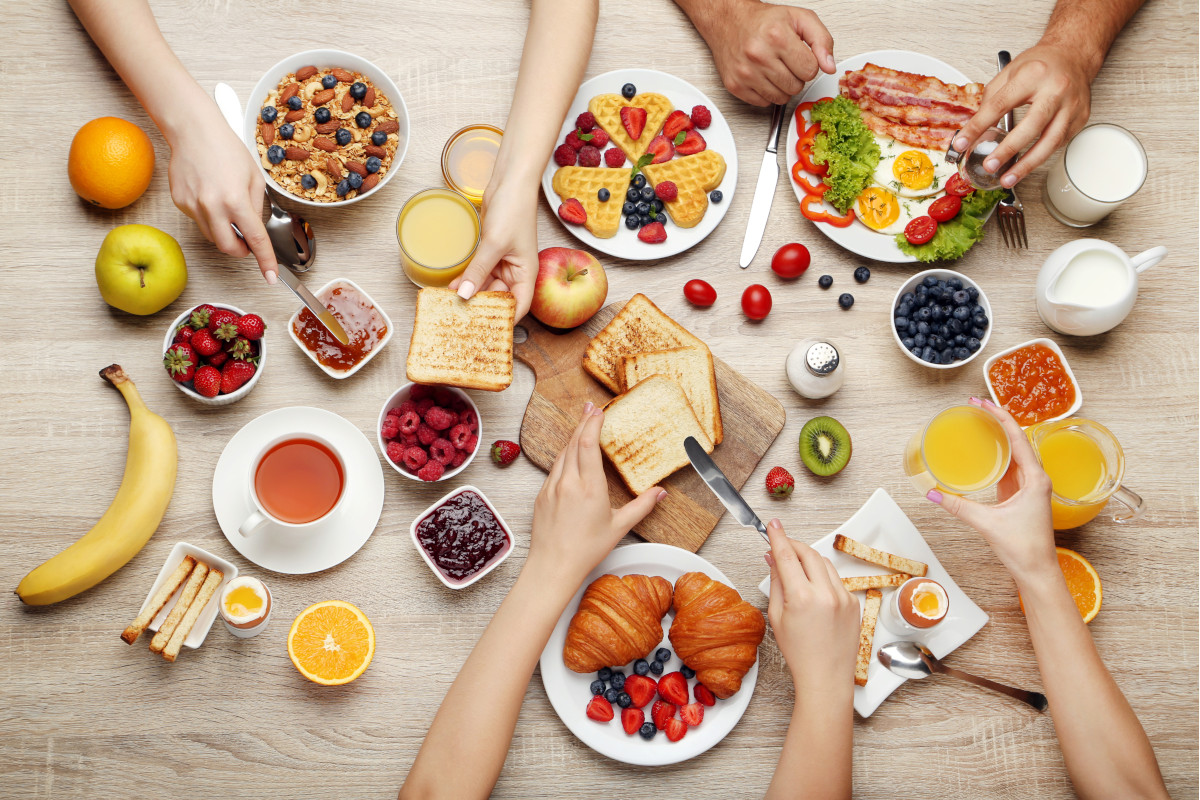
[752, 419]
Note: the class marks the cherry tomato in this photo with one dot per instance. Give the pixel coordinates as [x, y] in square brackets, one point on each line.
[700, 293]
[756, 301]
[945, 208]
[791, 260]
[920, 230]
[957, 187]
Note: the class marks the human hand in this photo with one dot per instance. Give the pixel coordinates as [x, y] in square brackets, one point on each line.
[814, 618]
[507, 257]
[766, 53]
[1055, 83]
[574, 524]
[1018, 527]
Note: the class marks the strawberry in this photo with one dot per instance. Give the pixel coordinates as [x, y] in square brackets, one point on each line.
[641, 689]
[661, 148]
[183, 334]
[666, 191]
[676, 729]
[654, 233]
[677, 121]
[200, 315]
[634, 121]
[632, 719]
[571, 211]
[589, 156]
[661, 712]
[701, 116]
[599, 709]
[704, 694]
[223, 324]
[599, 138]
[180, 361]
[614, 157]
[585, 121]
[241, 349]
[505, 452]
[252, 327]
[673, 688]
[780, 482]
[207, 381]
[565, 155]
[691, 143]
[235, 374]
[218, 359]
[205, 343]
[692, 714]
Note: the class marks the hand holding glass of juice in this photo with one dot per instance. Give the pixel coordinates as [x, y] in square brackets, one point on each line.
[438, 231]
[963, 450]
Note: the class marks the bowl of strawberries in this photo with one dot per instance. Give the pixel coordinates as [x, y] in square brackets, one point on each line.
[429, 433]
[215, 352]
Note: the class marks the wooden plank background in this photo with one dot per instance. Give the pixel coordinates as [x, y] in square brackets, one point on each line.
[82, 715]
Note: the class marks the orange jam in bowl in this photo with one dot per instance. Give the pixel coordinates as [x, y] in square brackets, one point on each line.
[1032, 384]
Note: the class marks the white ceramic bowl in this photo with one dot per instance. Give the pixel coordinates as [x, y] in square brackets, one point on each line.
[221, 399]
[941, 274]
[512, 541]
[398, 397]
[322, 60]
[339, 374]
[987, 368]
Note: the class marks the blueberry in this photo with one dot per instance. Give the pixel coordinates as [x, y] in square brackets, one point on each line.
[295, 103]
[604, 674]
[287, 130]
[624, 700]
[923, 327]
[661, 218]
[973, 293]
[947, 310]
[269, 113]
[633, 221]
[275, 154]
[901, 324]
[611, 695]
[862, 274]
[846, 300]
[378, 138]
[955, 284]
[641, 207]
[903, 310]
[597, 687]
[936, 314]
[716, 196]
[373, 164]
[929, 281]
[662, 654]
[638, 181]
[358, 90]
[908, 297]
[628, 91]
[973, 344]
[927, 355]
[343, 188]
[923, 314]
[935, 293]
[909, 342]
[355, 180]
[979, 320]
[647, 731]
[656, 667]
[308, 181]
[921, 339]
[946, 357]
[322, 115]
[641, 666]
[962, 313]
[645, 219]
[922, 294]
[363, 120]
[954, 326]
[942, 283]
[628, 208]
[603, 195]
[977, 309]
[936, 342]
[657, 205]
[343, 137]
[825, 281]
[647, 193]
[978, 333]
[960, 298]
[688, 672]
[328, 82]
[960, 340]
[944, 331]
[617, 681]
[962, 353]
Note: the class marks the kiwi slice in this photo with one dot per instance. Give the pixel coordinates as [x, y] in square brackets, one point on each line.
[824, 446]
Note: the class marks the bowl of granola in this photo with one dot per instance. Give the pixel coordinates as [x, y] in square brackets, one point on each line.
[327, 126]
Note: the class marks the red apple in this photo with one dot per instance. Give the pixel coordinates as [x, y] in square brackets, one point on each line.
[571, 287]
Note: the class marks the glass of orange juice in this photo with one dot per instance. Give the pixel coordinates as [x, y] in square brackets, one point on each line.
[1086, 465]
[438, 231]
[468, 159]
[962, 450]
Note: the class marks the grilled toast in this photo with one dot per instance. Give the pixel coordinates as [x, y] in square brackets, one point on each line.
[639, 327]
[465, 343]
[692, 368]
[866, 636]
[863, 552]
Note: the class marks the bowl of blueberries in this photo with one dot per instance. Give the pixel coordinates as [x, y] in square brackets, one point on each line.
[941, 319]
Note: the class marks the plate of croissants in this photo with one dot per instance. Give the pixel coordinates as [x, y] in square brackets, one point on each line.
[672, 623]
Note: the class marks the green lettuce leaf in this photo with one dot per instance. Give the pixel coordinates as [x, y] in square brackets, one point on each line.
[956, 237]
[846, 145]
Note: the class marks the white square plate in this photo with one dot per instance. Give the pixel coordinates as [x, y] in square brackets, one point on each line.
[195, 637]
[881, 524]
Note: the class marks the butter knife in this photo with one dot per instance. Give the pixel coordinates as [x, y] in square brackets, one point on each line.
[289, 279]
[721, 487]
[764, 192]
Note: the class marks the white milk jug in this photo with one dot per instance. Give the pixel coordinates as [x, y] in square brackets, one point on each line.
[1089, 286]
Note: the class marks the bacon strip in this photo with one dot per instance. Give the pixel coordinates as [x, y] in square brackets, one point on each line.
[917, 110]
[940, 117]
[923, 136]
[918, 89]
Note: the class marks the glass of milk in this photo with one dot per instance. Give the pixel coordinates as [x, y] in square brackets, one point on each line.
[1101, 168]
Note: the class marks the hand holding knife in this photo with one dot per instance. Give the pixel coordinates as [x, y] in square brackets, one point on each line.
[722, 488]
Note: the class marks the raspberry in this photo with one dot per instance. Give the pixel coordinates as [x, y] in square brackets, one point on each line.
[614, 157]
[409, 423]
[573, 141]
[442, 450]
[395, 452]
[599, 139]
[432, 471]
[701, 117]
[471, 443]
[589, 156]
[419, 392]
[440, 418]
[415, 458]
[585, 121]
[444, 397]
[409, 439]
[426, 434]
[394, 411]
[459, 457]
[666, 191]
[406, 406]
[391, 428]
[467, 417]
[458, 435]
[423, 405]
[564, 156]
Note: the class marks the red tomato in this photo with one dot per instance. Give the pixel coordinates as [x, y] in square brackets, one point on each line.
[791, 260]
[945, 208]
[756, 301]
[920, 230]
[958, 187]
[700, 293]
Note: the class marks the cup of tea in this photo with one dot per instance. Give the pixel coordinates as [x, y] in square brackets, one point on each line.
[296, 480]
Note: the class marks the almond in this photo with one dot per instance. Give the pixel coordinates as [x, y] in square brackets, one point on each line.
[322, 97]
[369, 98]
[289, 91]
[374, 150]
[324, 143]
[304, 73]
[333, 166]
[328, 127]
[342, 75]
[347, 102]
[268, 132]
[388, 125]
[294, 115]
[369, 183]
[354, 166]
[296, 154]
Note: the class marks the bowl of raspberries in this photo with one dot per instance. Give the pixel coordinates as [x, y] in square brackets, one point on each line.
[429, 433]
[215, 352]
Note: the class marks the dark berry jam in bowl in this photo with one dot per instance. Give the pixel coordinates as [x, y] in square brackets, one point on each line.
[462, 537]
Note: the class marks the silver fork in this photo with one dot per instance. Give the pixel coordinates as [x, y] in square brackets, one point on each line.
[1010, 211]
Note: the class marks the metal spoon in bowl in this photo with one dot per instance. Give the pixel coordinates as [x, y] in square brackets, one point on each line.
[913, 660]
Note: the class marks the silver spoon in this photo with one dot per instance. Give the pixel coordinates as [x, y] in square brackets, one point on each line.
[913, 660]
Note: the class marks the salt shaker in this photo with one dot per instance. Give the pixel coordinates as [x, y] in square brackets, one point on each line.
[970, 164]
[815, 368]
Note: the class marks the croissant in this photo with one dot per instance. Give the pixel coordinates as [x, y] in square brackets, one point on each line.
[715, 632]
[619, 620]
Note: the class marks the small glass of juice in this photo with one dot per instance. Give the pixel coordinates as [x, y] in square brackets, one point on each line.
[962, 450]
[438, 231]
[468, 158]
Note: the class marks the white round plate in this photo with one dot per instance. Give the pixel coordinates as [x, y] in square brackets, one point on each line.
[684, 96]
[856, 237]
[569, 693]
[329, 542]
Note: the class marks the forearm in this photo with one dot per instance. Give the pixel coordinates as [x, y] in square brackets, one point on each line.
[815, 763]
[1088, 28]
[705, 14]
[1104, 746]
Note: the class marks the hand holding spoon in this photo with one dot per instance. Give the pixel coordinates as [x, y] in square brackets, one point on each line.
[914, 660]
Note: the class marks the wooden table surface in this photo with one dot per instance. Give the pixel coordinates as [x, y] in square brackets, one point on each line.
[83, 715]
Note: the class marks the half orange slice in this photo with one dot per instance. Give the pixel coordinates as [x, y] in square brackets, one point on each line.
[1082, 581]
[331, 643]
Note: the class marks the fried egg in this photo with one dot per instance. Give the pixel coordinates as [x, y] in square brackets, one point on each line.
[911, 172]
[884, 212]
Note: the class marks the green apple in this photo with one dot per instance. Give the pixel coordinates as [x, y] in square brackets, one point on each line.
[140, 269]
[571, 286]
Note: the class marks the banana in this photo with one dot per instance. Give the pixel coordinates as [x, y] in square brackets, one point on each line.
[132, 517]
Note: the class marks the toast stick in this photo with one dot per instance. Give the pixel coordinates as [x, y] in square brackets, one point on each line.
[181, 606]
[160, 598]
[865, 582]
[866, 636]
[193, 613]
[869, 554]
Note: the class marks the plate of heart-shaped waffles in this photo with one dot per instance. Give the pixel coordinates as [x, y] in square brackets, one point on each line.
[645, 174]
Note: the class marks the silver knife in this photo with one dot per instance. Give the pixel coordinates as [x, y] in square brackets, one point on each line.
[314, 305]
[764, 192]
[721, 487]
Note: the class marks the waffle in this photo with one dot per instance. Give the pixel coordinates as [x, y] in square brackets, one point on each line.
[606, 108]
[582, 183]
[695, 176]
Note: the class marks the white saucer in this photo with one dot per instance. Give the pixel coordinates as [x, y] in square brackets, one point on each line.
[329, 542]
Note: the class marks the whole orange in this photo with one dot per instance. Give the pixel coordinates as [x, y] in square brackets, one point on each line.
[111, 162]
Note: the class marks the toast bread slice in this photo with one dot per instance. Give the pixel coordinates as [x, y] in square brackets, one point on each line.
[694, 176]
[465, 343]
[583, 184]
[639, 327]
[644, 429]
[690, 367]
[864, 582]
[606, 108]
[872, 556]
[866, 636]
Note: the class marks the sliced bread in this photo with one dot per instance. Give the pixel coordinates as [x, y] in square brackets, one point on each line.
[465, 343]
[639, 327]
[690, 367]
